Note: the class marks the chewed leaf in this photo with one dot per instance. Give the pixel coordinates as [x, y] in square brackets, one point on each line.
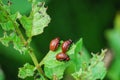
[7, 26]
[37, 21]
[13, 38]
[10, 35]
[53, 67]
[80, 56]
[27, 24]
[5, 39]
[3, 18]
[33, 25]
[96, 69]
[40, 18]
[18, 44]
[3, 14]
[26, 71]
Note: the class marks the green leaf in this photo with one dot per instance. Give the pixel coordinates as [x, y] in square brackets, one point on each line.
[13, 38]
[113, 72]
[53, 67]
[37, 21]
[80, 56]
[27, 24]
[10, 35]
[7, 26]
[79, 45]
[18, 44]
[96, 69]
[81, 61]
[2, 77]
[113, 37]
[5, 39]
[116, 21]
[3, 17]
[26, 71]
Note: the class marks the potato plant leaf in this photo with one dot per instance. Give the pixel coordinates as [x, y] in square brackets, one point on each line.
[26, 71]
[113, 37]
[15, 40]
[53, 67]
[3, 13]
[79, 45]
[37, 21]
[33, 25]
[2, 17]
[81, 57]
[7, 26]
[10, 35]
[2, 77]
[96, 69]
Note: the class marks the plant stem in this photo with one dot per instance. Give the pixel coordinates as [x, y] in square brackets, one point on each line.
[35, 61]
[55, 77]
[30, 50]
[42, 61]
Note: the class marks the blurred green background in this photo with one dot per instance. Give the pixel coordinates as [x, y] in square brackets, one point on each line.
[71, 19]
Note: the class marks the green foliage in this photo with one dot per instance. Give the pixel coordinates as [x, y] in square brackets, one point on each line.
[3, 13]
[33, 25]
[113, 37]
[56, 68]
[80, 58]
[12, 37]
[95, 70]
[37, 21]
[9, 28]
[8, 25]
[53, 67]
[81, 61]
[13, 33]
[2, 16]
[117, 21]
[26, 71]
[2, 77]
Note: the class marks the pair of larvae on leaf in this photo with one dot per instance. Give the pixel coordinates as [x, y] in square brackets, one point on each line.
[62, 56]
